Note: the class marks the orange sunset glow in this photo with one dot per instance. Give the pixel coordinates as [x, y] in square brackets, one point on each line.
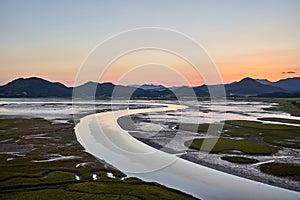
[265, 45]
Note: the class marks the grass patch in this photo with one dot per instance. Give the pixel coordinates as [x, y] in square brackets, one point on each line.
[276, 134]
[239, 159]
[19, 181]
[260, 125]
[226, 144]
[283, 120]
[280, 169]
[59, 176]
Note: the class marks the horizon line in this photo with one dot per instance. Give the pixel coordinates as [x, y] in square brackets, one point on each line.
[131, 84]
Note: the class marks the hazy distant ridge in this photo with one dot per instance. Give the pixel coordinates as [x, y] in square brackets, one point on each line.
[37, 87]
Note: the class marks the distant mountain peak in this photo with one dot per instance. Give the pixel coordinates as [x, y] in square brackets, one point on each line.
[291, 78]
[247, 79]
[246, 82]
[264, 81]
[107, 83]
[150, 87]
[27, 79]
[258, 79]
[250, 87]
[291, 84]
[91, 82]
[151, 84]
[34, 87]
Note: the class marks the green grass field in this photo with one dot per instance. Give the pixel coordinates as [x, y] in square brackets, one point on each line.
[281, 169]
[226, 144]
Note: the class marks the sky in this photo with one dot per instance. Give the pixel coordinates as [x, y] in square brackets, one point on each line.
[244, 38]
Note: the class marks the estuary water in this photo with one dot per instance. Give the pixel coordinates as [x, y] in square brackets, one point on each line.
[101, 136]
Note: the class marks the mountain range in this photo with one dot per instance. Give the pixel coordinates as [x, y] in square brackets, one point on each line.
[36, 87]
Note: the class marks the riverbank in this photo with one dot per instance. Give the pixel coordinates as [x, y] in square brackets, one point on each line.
[163, 136]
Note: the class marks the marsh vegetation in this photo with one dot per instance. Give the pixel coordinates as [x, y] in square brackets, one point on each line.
[41, 160]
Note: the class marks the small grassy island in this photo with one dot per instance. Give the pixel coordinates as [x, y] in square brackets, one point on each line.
[41, 160]
[281, 169]
[239, 159]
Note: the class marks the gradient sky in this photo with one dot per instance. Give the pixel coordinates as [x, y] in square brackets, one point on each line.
[51, 38]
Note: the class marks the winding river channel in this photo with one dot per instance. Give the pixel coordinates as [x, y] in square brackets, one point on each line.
[101, 136]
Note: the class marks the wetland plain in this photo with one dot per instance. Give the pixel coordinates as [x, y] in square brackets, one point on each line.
[40, 155]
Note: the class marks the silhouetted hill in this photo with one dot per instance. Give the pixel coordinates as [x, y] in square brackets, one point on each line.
[111, 90]
[185, 91]
[94, 89]
[291, 84]
[250, 87]
[150, 87]
[244, 87]
[264, 81]
[34, 87]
